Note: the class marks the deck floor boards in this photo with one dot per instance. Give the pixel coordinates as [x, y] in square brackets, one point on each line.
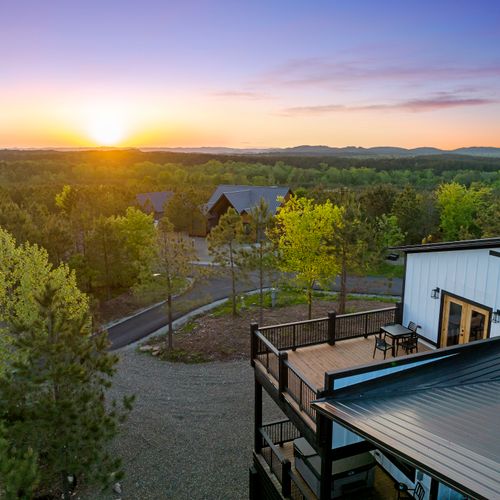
[312, 362]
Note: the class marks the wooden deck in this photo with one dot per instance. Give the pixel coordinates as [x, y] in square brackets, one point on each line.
[312, 362]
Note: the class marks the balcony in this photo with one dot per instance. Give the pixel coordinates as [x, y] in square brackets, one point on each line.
[293, 360]
[275, 463]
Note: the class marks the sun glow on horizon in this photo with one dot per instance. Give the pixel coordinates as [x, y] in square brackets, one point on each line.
[106, 130]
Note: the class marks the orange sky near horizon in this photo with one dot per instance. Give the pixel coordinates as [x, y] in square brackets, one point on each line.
[202, 120]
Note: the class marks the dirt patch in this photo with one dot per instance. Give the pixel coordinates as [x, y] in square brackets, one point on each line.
[223, 338]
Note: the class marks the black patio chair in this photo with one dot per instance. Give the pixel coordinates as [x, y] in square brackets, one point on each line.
[413, 326]
[382, 345]
[404, 492]
[410, 341]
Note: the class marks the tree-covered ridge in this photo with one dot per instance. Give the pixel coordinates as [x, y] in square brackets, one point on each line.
[146, 171]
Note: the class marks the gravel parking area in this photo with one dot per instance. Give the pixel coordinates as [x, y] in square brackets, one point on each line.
[190, 433]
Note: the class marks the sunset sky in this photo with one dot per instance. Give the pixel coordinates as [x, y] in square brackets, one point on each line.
[249, 73]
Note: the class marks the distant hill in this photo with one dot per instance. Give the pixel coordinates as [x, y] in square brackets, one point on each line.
[305, 150]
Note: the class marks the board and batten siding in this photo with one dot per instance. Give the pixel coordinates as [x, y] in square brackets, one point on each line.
[471, 274]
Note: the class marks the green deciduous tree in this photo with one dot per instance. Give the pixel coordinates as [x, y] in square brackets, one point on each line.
[303, 236]
[175, 257]
[224, 243]
[459, 209]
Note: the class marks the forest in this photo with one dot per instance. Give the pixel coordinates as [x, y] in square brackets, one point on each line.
[81, 205]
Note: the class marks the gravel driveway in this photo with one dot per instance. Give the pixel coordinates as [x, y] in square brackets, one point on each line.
[190, 433]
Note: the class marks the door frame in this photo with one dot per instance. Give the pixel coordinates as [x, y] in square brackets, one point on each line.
[445, 293]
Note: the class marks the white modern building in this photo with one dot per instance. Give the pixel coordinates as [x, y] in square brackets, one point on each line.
[453, 290]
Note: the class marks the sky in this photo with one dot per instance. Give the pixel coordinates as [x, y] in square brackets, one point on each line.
[244, 74]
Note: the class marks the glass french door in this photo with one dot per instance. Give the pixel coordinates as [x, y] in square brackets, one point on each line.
[463, 322]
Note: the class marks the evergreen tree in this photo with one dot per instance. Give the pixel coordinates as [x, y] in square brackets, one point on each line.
[53, 381]
[224, 244]
[18, 471]
[261, 256]
[176, 255]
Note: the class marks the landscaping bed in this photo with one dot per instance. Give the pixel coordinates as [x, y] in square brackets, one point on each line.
[219, 336]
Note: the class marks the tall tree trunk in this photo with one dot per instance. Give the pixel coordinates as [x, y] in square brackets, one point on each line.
[261, 287]
[343, 285]
[309, 302]
[170, 329]
[233, 280]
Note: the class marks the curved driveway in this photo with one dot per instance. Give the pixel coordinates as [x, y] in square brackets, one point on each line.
[203, 292]
[215, 288]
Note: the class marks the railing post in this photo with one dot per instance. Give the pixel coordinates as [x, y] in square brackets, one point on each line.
[253, 342]
[366, 325]
[283, 373]
[293, 337]
[286, 486]
[398, 314]
[332, 318]
[257, 420]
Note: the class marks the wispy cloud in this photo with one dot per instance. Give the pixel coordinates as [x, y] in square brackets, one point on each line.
[238, 94]
[317, 71]
[433, 103]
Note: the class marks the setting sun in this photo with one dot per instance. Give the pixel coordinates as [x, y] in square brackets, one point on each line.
[106, 131]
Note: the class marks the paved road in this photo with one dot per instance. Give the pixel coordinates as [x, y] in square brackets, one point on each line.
[216, 288]
[203, 292]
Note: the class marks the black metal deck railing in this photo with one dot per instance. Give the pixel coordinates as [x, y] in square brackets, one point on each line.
[300, 390]
[270, 343]
[281, 431]
[278, 464]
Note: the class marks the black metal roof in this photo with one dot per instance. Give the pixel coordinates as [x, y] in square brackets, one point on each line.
[450, 245]
[443, 417]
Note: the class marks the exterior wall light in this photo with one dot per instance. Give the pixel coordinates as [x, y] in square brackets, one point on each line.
[435, 293]
[496, 316]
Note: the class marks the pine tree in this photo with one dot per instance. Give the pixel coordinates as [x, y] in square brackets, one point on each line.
[176, 255]
[224, 245]
[53, 381]
[261, 256]
[18, 470]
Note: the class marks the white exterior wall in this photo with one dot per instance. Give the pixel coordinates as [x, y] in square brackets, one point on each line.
[471, 274]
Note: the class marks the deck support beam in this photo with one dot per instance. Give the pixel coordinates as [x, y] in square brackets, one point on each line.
[325, 451]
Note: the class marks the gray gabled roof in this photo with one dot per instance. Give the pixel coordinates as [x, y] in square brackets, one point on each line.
[442, 417]
[450, 245]
[244, 198]
[157, 199]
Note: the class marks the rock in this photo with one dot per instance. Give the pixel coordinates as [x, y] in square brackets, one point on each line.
[156, 351]
[146, 348]
[117, 488]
